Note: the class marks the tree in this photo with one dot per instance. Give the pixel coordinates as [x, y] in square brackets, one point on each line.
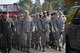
[51, 5]
[70, 3]
[25, 4]
[45, 5]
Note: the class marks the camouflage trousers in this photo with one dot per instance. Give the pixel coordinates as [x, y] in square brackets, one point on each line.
[63, 38]
[44, 38]
[57, 39]
[36, 38]
[25, 39]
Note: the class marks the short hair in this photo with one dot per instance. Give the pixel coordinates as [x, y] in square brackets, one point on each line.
[54, 13]
[4, 12]
[51, 14]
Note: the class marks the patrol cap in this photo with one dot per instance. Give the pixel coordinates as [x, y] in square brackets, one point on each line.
[44, 12]
[37, 14]
[33, 15]
[54, 13]
[26, 11]
[60, 13]
[40, 13]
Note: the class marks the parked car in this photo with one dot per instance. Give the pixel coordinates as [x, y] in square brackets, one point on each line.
[73, 31]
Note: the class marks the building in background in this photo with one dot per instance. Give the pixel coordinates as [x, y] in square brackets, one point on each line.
[10, 8]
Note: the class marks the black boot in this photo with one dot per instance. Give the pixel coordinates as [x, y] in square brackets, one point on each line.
[55, 47]
[20, 47]
[8, 51]
[47, 45]
[43, 48]
[39, 48]
[36, 48]
[13, 45]
[24, 49]
[4, 51]
[32, 46]
[28, 50]
[60, 48]
[17, 46]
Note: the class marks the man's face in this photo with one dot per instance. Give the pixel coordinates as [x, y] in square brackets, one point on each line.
[45, 14]
[55, 16]
[5, 16]
[60, 14]
[37, 16]
[26, 14]
[15, 17]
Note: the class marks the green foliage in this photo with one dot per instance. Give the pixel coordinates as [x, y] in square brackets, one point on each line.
[70, 15]
[45, 6]
[25, 3]
[69, 3]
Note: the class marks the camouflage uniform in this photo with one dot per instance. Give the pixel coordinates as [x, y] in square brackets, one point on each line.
[55, 34]
[26, 32]
[15, 38]
[18, 31]
[37, 29]
[44, 32]
[7, 29]
[57, 26]
[61, 28]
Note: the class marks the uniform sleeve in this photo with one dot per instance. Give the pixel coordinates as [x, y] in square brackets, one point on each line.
[32, 25]
[40, 27]
[0, 27]
[20, 26]
[12, 26]
[55, 25]
[48, 25]
[51, 26]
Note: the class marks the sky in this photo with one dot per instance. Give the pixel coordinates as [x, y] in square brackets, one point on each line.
[42, 1]
[13, 1]
[8, 1]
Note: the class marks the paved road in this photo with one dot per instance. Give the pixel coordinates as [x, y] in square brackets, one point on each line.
[36, 51]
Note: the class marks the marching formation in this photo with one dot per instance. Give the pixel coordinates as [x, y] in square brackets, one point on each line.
[38, 31]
